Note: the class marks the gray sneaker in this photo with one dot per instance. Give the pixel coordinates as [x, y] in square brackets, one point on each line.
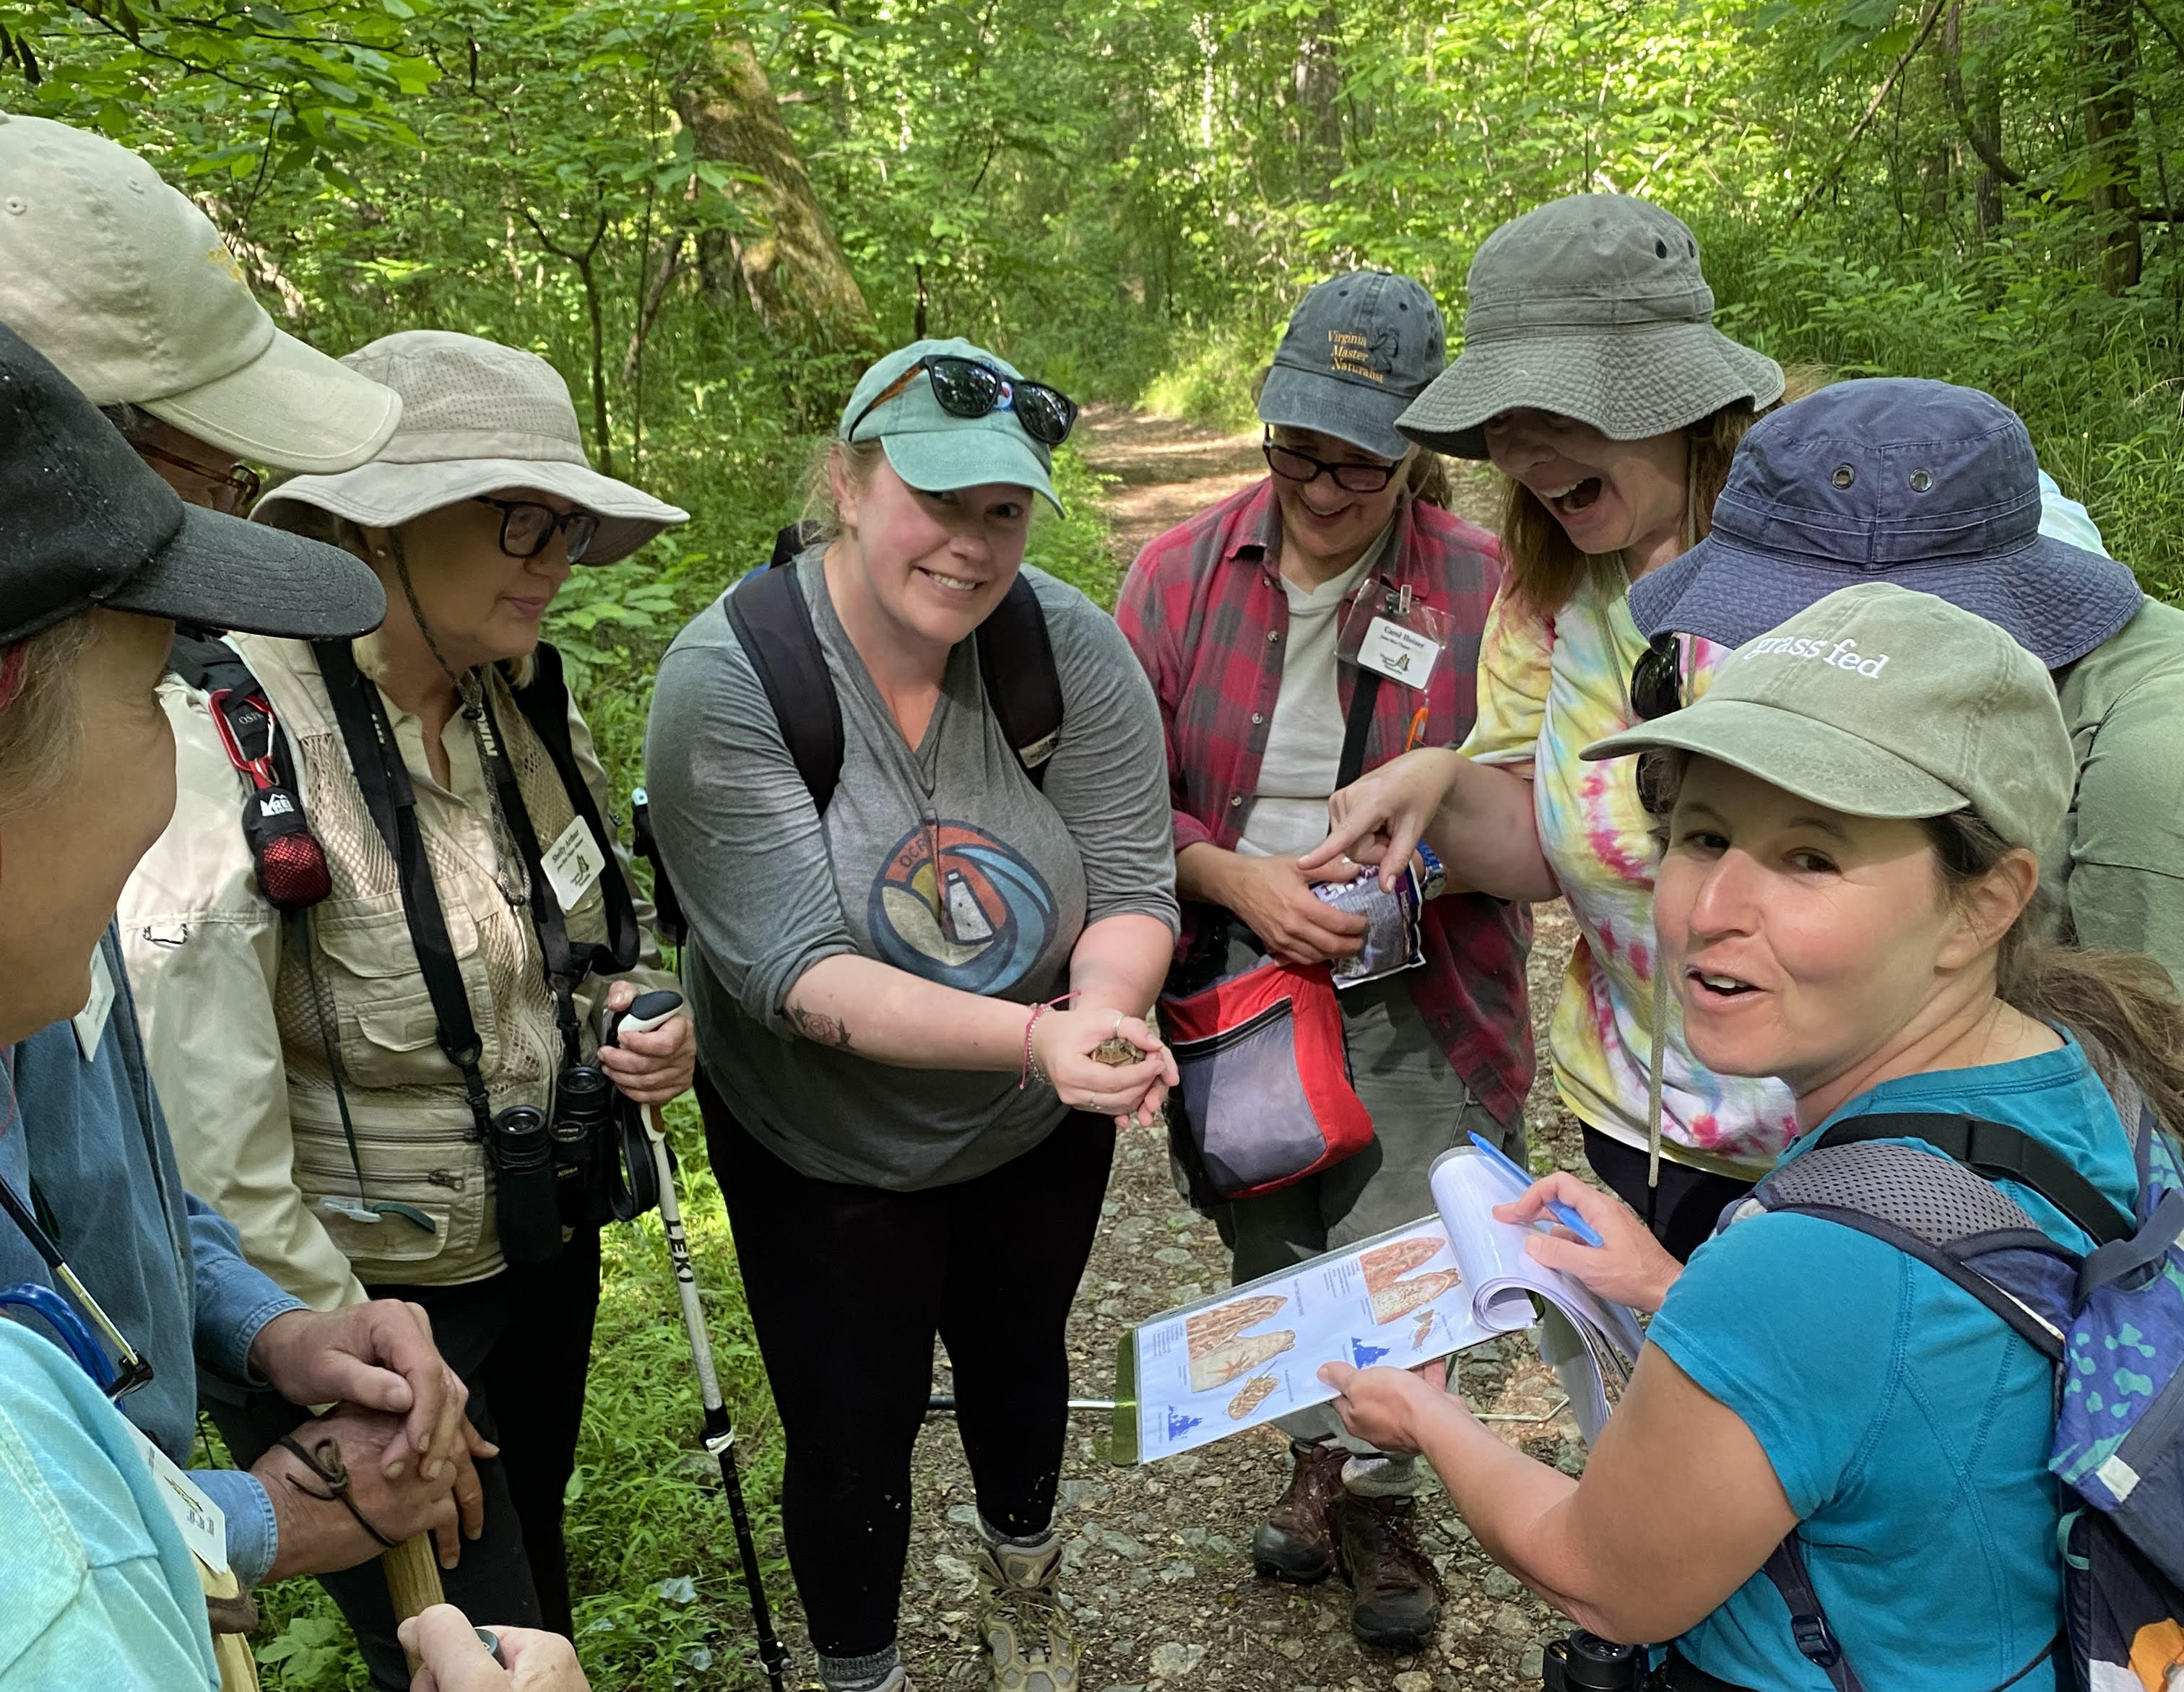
[1028, 1644]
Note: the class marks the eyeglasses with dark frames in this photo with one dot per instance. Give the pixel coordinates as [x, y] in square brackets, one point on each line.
[235, 491]
[1656, 680]
[1292, 465]
[967, 388]
[526, 527]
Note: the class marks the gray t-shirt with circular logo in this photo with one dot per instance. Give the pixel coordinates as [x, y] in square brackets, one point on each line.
[942, 859]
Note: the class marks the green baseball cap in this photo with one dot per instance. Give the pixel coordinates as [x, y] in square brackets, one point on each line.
[933, 449]
[1877, 701]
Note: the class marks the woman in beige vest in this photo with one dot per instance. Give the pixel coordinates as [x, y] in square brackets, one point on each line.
[348, 1109]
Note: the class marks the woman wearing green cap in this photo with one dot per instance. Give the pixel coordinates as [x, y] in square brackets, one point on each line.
[1239, 616]
[901, 963]
[1852, 817]
[1594, 379]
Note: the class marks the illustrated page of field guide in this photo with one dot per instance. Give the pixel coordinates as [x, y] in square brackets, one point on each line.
[1191, 1376]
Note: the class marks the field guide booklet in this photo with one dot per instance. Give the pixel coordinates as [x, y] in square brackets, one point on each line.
[1191, 1376]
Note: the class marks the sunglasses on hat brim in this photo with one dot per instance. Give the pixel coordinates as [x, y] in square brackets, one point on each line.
[967, 388]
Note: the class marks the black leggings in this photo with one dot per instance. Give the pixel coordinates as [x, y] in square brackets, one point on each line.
[522, 1341]
[847, 1287]
[1684, 1207]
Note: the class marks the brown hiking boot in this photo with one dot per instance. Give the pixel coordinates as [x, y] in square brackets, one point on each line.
[1296, 1541]
[1394, 1593]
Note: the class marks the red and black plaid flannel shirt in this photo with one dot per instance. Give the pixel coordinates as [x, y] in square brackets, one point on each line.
[1204, 609]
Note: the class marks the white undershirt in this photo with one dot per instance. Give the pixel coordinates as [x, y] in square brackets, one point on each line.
[1288, 814]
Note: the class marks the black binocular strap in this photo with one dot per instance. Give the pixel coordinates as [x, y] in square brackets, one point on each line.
[1365, 693]
[544, 703]
[384, 780]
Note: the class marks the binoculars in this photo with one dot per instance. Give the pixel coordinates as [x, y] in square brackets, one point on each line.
[1585, 1662]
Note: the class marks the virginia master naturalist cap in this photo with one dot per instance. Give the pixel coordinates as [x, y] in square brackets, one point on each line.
[1933, 486]
[84, 521]
[126, 286]
[1358, 350]
[1882, 702]
[1590, 306]
[935, 451]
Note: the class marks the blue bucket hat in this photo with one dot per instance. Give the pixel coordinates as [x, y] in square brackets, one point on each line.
[1932, 486]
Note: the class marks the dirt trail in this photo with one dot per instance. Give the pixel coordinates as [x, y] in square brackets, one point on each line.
[1159, 1561]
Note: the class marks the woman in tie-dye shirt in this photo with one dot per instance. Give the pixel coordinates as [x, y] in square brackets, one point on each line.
[1592, 377]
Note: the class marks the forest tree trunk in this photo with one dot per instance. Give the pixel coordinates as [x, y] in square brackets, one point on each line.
[1319, 100]
[792, 268]
[1975, 93]
[2110, 47]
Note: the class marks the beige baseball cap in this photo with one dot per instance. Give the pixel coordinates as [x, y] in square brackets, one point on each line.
[127, 288]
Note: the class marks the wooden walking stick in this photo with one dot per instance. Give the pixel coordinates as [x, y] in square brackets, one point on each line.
[413, 1582]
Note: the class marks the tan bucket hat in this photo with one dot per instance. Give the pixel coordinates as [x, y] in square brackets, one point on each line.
[129, 290]
[476, 417]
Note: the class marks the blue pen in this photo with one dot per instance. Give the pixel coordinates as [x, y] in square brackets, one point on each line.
[1563, 1213]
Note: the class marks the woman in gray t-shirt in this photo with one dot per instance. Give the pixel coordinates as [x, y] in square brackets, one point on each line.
[899, 993]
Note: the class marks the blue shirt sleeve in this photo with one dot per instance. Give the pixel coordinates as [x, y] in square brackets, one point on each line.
[234, 1301]
[1797, 1325]
[254, 1533]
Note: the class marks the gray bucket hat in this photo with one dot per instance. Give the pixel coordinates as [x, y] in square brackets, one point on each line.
[1590, 306]
[476, 417]
[1358, 350]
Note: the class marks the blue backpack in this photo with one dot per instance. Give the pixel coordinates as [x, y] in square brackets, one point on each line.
[2111, 1322]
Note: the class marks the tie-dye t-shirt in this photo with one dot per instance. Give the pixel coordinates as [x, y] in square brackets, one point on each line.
[1548, 688]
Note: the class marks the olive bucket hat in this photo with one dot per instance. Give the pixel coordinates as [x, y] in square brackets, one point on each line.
[950, 414]
[1891, 478]
[1593, 308]
[1358, 349]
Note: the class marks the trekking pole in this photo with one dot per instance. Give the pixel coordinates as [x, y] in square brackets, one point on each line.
[413, 1583]
[649, 1010]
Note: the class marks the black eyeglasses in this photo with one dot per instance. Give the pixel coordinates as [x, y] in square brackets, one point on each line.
[967, 388]
[234, 491]
[1657, 681]
[527, 527]
[1292, 465]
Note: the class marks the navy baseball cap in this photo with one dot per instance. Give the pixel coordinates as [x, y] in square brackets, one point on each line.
[1358, 350]
[1932, 486]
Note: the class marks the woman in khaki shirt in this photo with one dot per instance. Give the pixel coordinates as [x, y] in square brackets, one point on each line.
[303, 1061]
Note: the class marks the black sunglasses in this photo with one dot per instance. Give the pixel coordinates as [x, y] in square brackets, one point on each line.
[1292, 465]
[967, 388]
[527, 527]
[1657, 681]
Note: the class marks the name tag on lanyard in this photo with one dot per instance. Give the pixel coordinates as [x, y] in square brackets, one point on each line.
[1393, 633]
[90, 1023]
[573, 863]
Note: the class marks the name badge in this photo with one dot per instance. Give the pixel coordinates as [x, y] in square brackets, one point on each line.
[91, 1022]
[573, 863]
[203, 1523]
[1392, 632]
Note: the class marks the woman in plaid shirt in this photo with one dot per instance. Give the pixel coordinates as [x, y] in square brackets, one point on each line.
[1235, 615]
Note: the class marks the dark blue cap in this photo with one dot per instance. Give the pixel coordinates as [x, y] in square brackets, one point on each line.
[1929, 486]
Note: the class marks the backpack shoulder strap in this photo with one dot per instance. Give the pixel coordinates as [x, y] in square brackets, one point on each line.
[767, 610]
[1998, 1152]
[210, 665]
[544, 703]
[1023, 688]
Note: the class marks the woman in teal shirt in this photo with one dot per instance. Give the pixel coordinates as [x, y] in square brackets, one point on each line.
[1851, 853]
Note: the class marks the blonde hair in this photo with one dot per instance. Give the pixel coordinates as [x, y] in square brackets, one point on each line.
[1548, 570]
[859, 461]
[39, 726]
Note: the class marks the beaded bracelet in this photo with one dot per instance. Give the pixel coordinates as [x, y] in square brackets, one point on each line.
[1031, 1072]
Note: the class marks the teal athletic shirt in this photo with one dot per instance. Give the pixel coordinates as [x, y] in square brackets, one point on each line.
[100, 1589]
[1908, 1426]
